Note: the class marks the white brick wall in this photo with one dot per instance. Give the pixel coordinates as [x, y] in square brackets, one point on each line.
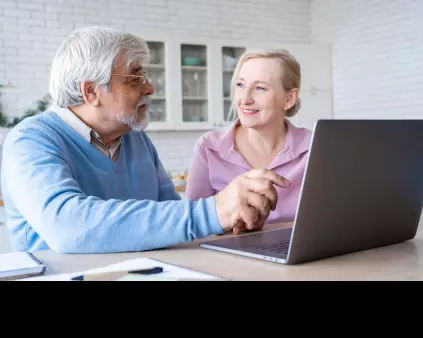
[31, 31]
[377, 50]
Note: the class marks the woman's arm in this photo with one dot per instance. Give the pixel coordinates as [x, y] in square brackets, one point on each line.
[198, 184]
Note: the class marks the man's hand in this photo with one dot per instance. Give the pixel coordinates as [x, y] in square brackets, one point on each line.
[246, 202]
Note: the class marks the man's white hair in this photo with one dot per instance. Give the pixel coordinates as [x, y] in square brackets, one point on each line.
[90, 54]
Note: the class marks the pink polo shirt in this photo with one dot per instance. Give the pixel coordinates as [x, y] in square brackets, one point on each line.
[215, 164]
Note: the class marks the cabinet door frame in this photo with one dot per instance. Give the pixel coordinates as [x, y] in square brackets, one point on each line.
[218, 116]
[177, 85]
[170, 122]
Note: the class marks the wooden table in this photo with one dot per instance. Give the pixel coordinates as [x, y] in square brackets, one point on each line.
[403, 261]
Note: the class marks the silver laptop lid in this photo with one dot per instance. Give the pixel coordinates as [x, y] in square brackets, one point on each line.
[363, 187]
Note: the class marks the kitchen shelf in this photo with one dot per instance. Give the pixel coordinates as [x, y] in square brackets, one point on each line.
[195, 98]
[153, 66]
[194, 68]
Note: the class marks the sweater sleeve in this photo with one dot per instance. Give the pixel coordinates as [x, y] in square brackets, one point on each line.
[43, 189]
[198, 184]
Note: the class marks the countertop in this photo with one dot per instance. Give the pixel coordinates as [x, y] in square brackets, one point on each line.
[180, 188]
[398, 262]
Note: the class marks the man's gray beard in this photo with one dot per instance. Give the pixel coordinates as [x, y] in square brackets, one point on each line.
[131, 121]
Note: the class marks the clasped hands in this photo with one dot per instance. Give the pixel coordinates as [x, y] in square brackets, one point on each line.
[246, 202]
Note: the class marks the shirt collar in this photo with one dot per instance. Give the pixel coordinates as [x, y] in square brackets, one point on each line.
[222, 141]
[79, 126]
[73, 121]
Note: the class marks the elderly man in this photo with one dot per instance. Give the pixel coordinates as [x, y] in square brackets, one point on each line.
[83, 177]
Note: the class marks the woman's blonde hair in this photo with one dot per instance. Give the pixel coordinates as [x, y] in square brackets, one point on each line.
[291, 75]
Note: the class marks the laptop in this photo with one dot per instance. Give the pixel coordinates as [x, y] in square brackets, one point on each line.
[362, 188]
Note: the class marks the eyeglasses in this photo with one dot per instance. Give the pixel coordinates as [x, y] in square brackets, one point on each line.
[143, 76]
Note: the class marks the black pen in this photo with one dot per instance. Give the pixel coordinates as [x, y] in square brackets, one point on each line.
[151, 271]
[113, 275]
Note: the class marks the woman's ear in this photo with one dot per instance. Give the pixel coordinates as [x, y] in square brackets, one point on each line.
[291, 98]
[90, 93]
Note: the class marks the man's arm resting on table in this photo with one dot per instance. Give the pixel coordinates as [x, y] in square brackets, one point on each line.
[41, 185]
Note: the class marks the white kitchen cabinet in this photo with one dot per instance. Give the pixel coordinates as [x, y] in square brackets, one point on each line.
[156, 73]
[159, 72]
[316, 104]
[192, 80]
[225, 57]
[193, 61]
[316, 66]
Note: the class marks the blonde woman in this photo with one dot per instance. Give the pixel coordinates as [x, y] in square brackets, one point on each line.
[265, 91]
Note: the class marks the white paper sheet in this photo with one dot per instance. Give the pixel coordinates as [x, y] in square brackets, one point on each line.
[18, 265]
[16, 261]
[169, 270]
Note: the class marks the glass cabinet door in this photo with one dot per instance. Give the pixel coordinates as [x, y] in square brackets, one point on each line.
[156, 75]
[194, 83]
[230, 57]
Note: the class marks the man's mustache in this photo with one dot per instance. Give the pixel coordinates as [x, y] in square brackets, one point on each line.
[144, 100]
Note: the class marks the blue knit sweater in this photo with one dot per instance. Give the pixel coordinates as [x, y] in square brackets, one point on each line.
[63, 194]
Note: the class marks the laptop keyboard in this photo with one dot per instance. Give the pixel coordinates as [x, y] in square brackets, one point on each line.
[276, 247]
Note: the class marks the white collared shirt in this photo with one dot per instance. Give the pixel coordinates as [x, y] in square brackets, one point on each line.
[86, 132]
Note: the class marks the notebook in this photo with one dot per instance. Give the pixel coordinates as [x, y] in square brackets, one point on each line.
[17, 265]
[169, 272]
